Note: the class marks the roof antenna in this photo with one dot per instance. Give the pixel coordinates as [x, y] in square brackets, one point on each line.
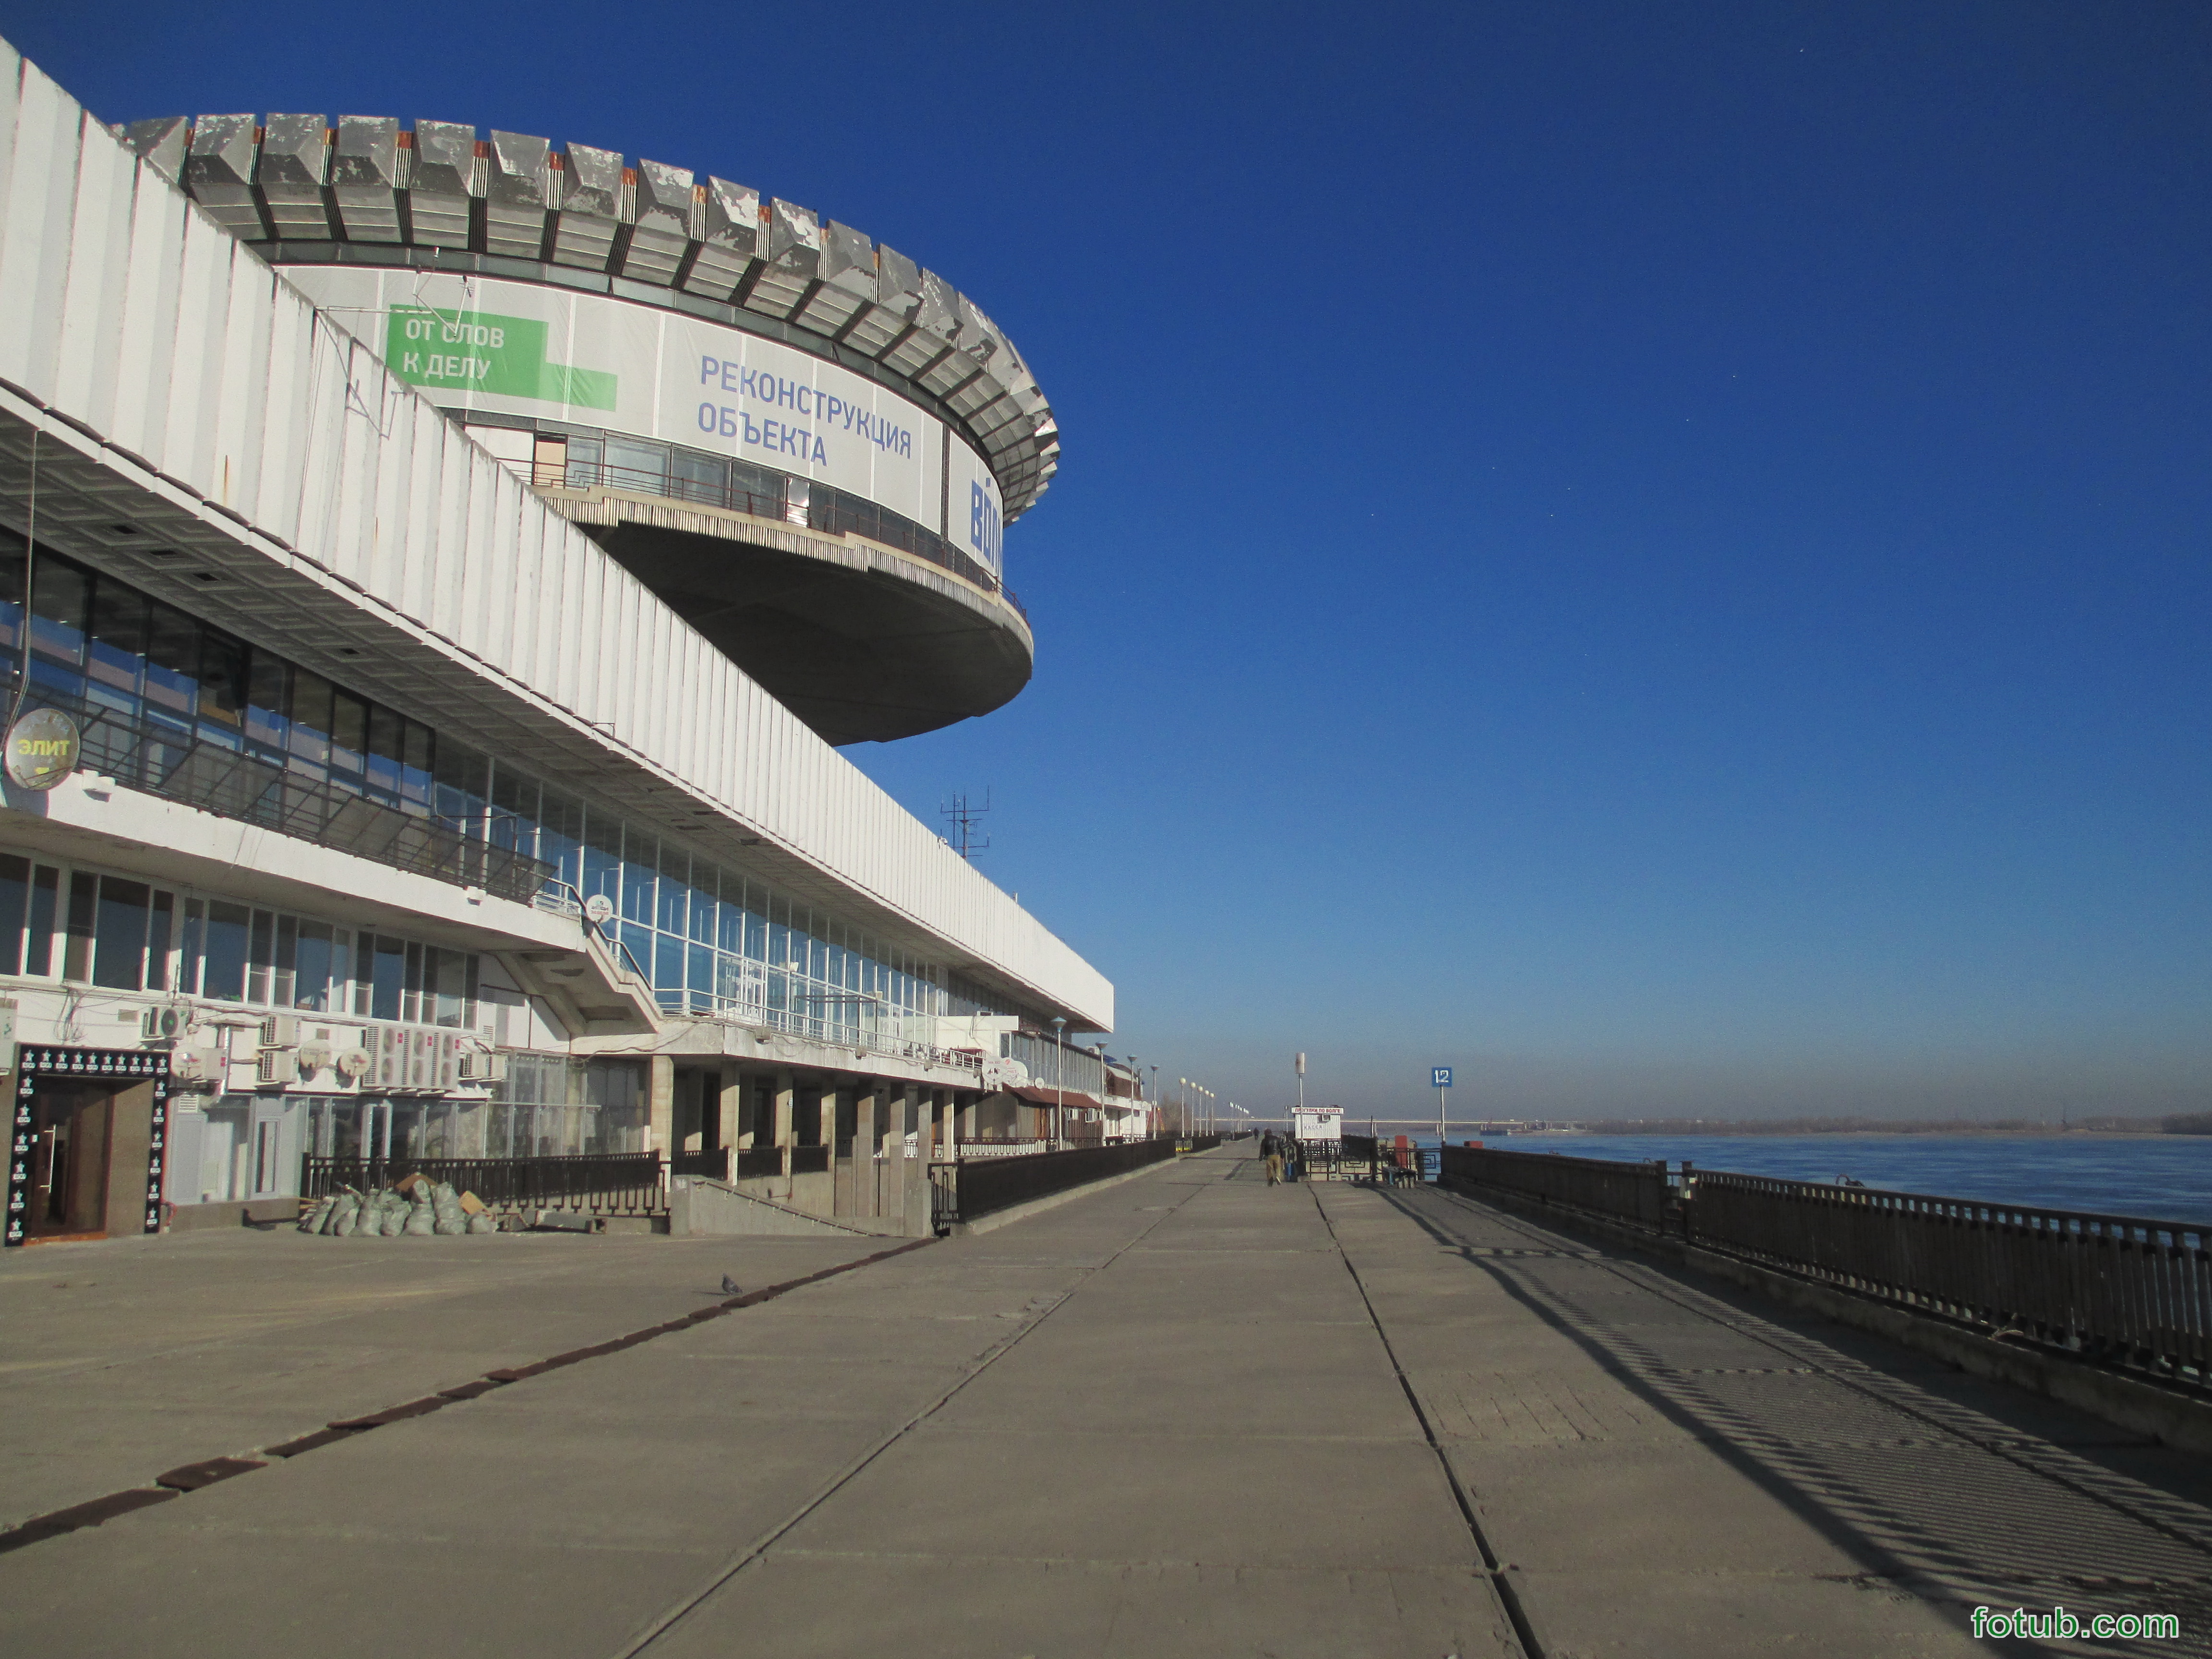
[963, 816]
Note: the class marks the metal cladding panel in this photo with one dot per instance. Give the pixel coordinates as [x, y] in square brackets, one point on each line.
[161, 144]
[224, 379]
[85, 363]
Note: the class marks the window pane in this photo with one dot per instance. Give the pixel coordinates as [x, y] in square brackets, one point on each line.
[311, 966]
[261, 957]
[415, 768]
[349, 732]
[267, 726]
[157, 942]
[188, 953]
[119, 934]
[390, 977]
[310, 709]
[172, 656]
[447, 982]
[15, 902]
[39, 940]
[224, 680]
[76, 960]
[288, 948]
[118, 635]
[59, 608]
[227, 928]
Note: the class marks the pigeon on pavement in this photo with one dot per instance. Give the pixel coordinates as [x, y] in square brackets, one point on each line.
[730, 1286]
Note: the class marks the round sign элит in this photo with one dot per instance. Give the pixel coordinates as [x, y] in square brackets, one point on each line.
[42, 748]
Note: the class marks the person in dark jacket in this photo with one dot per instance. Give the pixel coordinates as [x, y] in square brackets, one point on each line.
[1271, 1155]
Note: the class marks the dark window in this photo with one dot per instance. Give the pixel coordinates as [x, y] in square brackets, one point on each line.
[172, 661]
[421, 750]
[349, 732]
[38, 943]
[58, 609]
[261, 957]
[119, 934]
[225, 679]
[157, 941]
[312, 961]
[188, 953]
[118, 636]
[389, 978]
[76, 955]
[310, 709]
[227, 927]
[266, 725]
[15, 901]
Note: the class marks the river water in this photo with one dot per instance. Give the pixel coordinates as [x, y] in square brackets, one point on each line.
[2158, 1177]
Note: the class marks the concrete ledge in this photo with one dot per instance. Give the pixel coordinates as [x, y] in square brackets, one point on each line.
[236, 1212]
[2132, 1403]
[1051, 1200]
[698, 1206]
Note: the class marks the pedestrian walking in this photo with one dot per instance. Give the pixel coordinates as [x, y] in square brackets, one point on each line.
[1271, 1155]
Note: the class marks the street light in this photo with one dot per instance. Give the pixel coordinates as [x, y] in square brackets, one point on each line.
[1059, 1084]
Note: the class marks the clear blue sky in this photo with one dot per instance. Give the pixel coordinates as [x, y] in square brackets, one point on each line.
[1656, 554]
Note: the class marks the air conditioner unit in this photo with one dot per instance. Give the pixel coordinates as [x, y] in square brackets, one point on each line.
[448, 1073]
[480, 1068]
[165, 1022]
[390, 1047]
[276, 1066]
[279, 1031]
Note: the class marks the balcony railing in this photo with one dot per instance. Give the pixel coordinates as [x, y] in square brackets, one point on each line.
[831, 512]
[140, 754]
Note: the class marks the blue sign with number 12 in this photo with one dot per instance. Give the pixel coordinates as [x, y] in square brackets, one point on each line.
[1440, 1077]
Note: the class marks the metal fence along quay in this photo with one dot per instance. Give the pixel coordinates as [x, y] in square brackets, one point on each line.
[968, 1192]
[2121, 1292]
[620, 1182]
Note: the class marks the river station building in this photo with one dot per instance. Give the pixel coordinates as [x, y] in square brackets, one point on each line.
[462, 558]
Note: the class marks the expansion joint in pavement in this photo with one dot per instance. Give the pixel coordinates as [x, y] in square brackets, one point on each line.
[192, 1477]
[672, 1616]
[1501, 1580]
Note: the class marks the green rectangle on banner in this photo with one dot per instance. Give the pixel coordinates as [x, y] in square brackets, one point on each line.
[481, 351]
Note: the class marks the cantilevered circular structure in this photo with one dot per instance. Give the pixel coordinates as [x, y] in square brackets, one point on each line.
[805, 444]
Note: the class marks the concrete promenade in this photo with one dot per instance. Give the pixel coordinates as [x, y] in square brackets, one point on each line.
[1184, 1414]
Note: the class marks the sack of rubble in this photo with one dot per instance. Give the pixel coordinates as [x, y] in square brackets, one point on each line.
[483, 1221]
[445, 1206]
[395, 1215]
[318, 1218]
[421, 1220]
[343, 1213]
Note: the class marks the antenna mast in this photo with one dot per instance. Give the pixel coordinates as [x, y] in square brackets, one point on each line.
[963, 816]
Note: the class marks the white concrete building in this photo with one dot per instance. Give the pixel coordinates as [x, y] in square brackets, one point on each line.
[432, 799]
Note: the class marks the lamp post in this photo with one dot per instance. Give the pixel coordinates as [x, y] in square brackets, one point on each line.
[1059, 1086]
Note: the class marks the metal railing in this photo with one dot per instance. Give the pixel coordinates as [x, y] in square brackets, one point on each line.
[617, 1182]
[809, 1160]
[1635, 1193]
[981, 1149]
[143, 754]
[2119, 1290]
[832, 513]
[967, 1191]
[714, 1164]
[757, 1163]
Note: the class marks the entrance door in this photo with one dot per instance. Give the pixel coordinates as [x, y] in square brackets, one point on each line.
[69, 1126]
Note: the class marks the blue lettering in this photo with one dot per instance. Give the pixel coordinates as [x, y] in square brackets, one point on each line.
[708, 417]
[821, 455]
[708, 368]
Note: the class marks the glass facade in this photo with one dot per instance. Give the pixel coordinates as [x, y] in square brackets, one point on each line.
[709, 939]
[114, 933]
